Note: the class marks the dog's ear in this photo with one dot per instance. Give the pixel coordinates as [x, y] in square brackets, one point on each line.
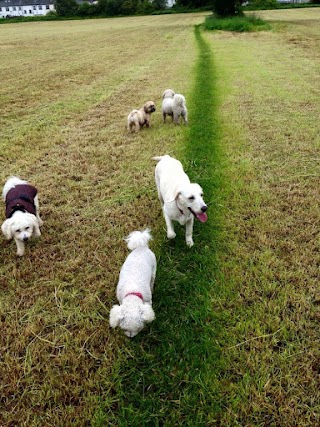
[147, 314]
[36, 228]
[7, 229]
[177, 195]
[115, 316]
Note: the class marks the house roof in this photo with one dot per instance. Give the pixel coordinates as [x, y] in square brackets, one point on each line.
[7, 3]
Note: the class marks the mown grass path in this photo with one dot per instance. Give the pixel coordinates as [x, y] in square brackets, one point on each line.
[168, 375]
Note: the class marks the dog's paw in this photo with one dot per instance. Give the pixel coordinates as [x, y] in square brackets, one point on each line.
[189, 243]
[171, 234]
[20, 253]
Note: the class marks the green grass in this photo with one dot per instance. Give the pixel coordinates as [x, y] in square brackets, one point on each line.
[238, 24]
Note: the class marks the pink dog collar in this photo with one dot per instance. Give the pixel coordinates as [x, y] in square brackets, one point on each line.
[137, 294]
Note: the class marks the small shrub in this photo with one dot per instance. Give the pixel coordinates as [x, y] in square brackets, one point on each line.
[238, 23]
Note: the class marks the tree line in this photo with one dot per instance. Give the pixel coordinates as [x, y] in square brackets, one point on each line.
[68, 8]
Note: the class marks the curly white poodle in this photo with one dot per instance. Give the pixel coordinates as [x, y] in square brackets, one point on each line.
[135, 286]
[167, 102]
[179, 109]
[174, 105]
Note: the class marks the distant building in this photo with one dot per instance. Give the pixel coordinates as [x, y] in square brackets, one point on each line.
[10, 8]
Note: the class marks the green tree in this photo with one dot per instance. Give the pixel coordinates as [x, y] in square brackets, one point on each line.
[86, 9]
[129, 7]
[110, 7]
[66, 7]
[159, 4]
[226, 7]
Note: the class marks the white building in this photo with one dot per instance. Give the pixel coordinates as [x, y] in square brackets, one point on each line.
[10, 8]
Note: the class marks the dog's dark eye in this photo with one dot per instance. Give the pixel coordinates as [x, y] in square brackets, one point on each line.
[18, 231]
[27, 228]
[191, 198]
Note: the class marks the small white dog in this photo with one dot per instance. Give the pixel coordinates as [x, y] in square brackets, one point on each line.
[179, 109]
[22, 212]
[167, 102]
[181, 200]
[135, 286]
[139, 118]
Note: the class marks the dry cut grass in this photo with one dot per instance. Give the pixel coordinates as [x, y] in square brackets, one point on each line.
[270, 114]
[66, 93]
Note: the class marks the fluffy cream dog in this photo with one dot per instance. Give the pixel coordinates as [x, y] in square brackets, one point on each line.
[138, 118]
[167, 102]
[179, 109]
[135, 286]
[22, 212]
[181, 200]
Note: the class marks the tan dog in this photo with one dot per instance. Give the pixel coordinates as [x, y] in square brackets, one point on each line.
[138, 118]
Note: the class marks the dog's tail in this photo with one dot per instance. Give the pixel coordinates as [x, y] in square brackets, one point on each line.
[138, 239]
[158, 158]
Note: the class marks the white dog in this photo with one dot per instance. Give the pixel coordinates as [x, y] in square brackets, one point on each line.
[167, 103]
[135, 286]
[180, 200]
[22, 212]
[179, 109]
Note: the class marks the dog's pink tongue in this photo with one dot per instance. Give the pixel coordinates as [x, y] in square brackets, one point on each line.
[202, 217]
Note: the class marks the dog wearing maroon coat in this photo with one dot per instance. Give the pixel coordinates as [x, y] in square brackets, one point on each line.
[22, 212]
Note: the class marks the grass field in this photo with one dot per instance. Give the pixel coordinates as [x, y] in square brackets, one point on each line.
[236, 336]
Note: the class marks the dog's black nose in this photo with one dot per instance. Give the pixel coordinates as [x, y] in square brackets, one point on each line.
[25, 239]
[204, 208]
